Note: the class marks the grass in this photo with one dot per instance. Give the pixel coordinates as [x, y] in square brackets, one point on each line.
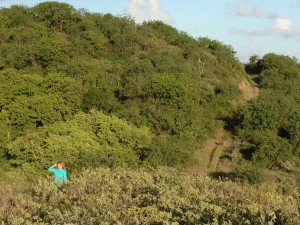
[215, 157]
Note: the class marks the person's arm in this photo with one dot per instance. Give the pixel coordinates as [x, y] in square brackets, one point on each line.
[52, 169]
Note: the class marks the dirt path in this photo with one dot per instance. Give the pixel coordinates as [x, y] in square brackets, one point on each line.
[208, 155]
[249, 90]
[204, 153]
[218, 151]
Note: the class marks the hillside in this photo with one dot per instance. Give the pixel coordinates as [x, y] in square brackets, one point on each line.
[210, 152]
[99, 91]
[149, 75]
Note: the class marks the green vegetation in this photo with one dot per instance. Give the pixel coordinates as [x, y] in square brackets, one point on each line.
[99, 91]
[269, 124]
[163, 196]
[58, 62]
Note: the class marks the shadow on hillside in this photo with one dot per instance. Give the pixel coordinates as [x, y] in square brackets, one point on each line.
[221, 175]
[230, 124]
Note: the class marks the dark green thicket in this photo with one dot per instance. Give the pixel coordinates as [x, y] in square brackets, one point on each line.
[57, 61]
[270, 123]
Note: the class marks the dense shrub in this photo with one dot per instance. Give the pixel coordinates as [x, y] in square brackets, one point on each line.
[248, 173]
[164, 196]
[268, 124]
[88, 140]
[57, 61]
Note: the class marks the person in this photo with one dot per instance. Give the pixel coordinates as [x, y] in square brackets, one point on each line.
[60, 174]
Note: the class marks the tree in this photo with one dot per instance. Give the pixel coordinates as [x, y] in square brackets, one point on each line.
[30, 101]
[224, 53]
[252, 67]
[19, 16]
[87, 140]
[121, 33]
[49, 52]
[56, 15]
[160, 30]
[258, 115]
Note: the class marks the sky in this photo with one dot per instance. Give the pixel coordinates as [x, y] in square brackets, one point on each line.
[251, 27]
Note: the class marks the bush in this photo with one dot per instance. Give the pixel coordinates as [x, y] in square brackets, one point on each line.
[248, 173]
[88, 140]
[163, 196]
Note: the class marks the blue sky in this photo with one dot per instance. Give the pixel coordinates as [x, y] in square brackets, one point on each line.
[251, 27]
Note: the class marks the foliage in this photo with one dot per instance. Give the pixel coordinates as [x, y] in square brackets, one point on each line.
[55, 15]
[258, 115]
[30, 101]
[248, 173]
[164, 196]
[253, 66]
[225, 54]
[269, 123]
[88, 140]
[99, 90]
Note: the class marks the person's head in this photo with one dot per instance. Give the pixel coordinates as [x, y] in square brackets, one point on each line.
[60, 165]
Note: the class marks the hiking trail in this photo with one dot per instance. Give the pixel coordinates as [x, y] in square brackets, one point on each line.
[209, 154]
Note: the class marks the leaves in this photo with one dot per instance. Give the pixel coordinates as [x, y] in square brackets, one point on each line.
[88, 140]
[164, 196]
[57, 62]
[55, 15]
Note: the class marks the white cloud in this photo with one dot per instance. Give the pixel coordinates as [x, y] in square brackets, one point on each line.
[283, 27]
[282, 24]
[135, 9]
[242, 9]
[280, 27]
[142, 10]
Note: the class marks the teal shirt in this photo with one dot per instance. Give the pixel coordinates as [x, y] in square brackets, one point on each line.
[60, 175]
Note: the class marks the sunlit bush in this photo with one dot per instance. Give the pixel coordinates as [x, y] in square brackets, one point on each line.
[163, 196]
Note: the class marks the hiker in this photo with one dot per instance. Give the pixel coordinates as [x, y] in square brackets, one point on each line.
[60, 174]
